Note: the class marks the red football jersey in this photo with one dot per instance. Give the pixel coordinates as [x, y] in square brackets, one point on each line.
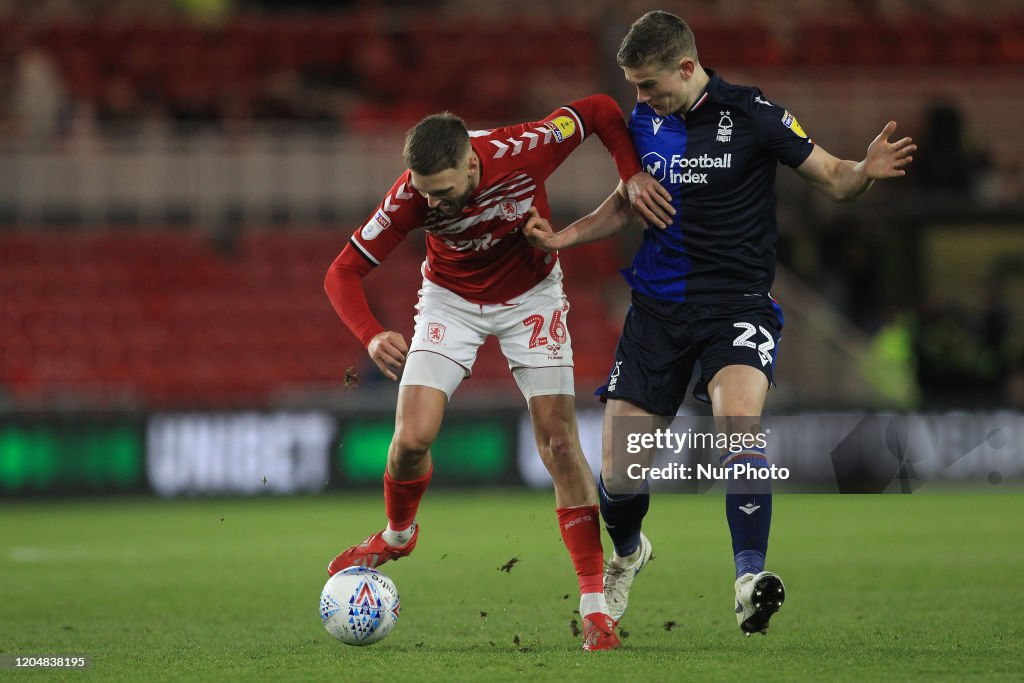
[481, 254]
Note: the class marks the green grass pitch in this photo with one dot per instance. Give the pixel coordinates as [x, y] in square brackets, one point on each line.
[922, 587]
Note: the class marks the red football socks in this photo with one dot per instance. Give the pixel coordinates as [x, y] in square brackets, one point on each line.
[402, 499]
[582, 535]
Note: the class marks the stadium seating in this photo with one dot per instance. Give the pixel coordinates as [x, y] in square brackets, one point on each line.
[164, 319]
[186, 67]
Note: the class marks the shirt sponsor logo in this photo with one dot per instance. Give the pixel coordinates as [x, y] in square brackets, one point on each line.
[482, 243]
[375, 226]
[681, 169]
[655, 165]
[789, 121]
[490, 211]
[562, 126]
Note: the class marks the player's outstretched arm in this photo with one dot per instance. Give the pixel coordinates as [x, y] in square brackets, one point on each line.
[843, 180]
[613, 215]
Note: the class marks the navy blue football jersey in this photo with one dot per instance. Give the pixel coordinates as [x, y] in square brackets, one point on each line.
[718, 159]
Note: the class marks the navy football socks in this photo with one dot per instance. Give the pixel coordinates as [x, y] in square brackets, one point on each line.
[623, 516]
[749, 515]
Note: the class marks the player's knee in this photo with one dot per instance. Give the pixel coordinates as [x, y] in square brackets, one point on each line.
[410, 445]
[741, 405]
[561, 447]
[559, 455]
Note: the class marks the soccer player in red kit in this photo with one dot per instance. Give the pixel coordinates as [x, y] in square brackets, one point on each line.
[471, 192]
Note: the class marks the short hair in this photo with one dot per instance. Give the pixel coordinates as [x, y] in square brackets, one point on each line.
[435, 144]
[658, 39]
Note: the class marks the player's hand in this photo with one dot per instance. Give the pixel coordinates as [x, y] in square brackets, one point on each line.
[539, 233]
[888, 159]
[388, 351]
[650, 199]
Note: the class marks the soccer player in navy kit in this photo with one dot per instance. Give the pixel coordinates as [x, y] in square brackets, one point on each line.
[702, 276]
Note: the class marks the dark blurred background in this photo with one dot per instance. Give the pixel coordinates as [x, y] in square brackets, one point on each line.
[176, 176]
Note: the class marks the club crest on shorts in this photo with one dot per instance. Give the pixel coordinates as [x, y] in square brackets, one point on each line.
[435, 333]
[510, 211]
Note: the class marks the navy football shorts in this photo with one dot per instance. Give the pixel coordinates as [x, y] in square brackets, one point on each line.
[662, 341]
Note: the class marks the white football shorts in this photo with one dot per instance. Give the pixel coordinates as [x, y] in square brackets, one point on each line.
[532, 330]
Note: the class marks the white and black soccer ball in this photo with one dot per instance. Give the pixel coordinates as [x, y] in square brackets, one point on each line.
[359, 606]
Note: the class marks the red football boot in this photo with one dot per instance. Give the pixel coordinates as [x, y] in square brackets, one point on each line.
[599, 633]
[372, 553]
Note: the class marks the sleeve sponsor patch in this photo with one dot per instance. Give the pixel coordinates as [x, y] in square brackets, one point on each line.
[562, 126]
[789, 121]
[375, 226]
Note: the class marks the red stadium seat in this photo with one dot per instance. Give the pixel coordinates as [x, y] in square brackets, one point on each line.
[165, 317]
